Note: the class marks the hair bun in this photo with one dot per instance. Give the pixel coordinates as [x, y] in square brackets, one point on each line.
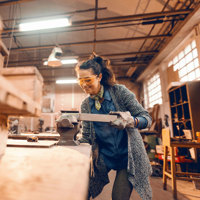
[99, 60]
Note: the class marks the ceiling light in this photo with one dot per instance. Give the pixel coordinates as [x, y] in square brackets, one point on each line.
[45, 24]
[66, 81]
[54, 57]
[65, 61]
[69, 61]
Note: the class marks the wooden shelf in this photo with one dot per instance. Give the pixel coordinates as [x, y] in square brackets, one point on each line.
[182, 121]
[175, 105]
[188, 94]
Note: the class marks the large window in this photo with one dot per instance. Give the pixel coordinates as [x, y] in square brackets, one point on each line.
[152, 91]
[187, 63]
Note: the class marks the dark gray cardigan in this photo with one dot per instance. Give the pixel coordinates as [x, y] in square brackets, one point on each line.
[139, 168]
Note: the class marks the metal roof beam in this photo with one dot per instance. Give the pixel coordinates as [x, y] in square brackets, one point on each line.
[7, 3]
[92, 42]
[56, 15]
[137, 17]
[134, 17]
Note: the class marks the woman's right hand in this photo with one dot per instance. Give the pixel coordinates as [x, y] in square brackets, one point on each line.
[124, 120]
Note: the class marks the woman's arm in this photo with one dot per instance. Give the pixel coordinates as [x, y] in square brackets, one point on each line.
[128, 100]
[85, 125]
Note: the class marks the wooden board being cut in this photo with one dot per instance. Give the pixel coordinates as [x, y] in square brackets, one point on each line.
[44, 174]
[96, 117]
[24, 143]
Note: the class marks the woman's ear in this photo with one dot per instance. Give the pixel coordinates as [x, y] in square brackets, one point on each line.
[100, 76]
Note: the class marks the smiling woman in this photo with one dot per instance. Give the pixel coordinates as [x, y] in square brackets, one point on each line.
[116, 145]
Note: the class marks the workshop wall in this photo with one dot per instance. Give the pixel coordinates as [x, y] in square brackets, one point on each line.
[134, 87]
[167, 75]
[69, 96]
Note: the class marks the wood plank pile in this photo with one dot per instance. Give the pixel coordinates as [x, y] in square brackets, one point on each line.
[15, 102]
[26, 79]
[20, 93]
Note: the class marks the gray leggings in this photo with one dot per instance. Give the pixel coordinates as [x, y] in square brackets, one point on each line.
[122, 188]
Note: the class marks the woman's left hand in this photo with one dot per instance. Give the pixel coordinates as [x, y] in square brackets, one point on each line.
[123, 120]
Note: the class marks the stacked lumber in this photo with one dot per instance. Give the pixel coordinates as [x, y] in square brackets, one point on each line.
[26, 79]
[20, 93]
[15, 102]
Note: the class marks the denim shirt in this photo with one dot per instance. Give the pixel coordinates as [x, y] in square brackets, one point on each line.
[113, 143]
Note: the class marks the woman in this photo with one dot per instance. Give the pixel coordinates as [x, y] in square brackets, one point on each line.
[116, 145]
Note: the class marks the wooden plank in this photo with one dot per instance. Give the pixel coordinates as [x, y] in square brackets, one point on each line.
[96, 117]
[41, 136]
[24, 143]
[185, 144]
[44, 174]
[22, 71]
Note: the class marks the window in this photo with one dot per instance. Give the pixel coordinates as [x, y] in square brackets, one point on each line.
[187, 63]
[152, 91]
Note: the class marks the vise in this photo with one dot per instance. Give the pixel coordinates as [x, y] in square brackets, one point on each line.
[68, 125]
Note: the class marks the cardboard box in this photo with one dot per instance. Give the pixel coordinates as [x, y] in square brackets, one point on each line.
[160, 150]
[172, 76]
[26, 79]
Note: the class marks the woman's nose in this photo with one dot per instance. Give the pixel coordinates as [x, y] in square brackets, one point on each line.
[83, 84]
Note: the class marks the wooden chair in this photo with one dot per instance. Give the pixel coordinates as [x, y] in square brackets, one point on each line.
[169, 147]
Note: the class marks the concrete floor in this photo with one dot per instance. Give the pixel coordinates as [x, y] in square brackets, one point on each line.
[186, 190]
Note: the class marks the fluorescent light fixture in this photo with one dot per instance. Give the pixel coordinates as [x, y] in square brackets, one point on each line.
[66, 81]
[45, 24]
[65, 61]
[69, 61]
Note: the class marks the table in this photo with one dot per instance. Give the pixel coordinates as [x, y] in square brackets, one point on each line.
[45, 174]
[41, 136]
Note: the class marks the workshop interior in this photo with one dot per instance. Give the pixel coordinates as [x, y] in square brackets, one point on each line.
[153, 49]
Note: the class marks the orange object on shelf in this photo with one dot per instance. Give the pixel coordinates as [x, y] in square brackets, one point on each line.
[178, 159]
[198, 136]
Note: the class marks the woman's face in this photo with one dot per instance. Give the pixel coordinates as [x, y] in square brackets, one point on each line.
[89, 82]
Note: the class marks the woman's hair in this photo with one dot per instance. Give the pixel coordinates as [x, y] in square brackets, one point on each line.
[99, 66]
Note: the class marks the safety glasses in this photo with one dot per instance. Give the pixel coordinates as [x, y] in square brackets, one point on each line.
[87, 80]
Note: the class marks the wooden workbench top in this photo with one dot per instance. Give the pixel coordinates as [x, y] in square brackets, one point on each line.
[41, 136]
[45, 174]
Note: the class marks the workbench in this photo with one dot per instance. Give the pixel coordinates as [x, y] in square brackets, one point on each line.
[45, 173]
[41, 136]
